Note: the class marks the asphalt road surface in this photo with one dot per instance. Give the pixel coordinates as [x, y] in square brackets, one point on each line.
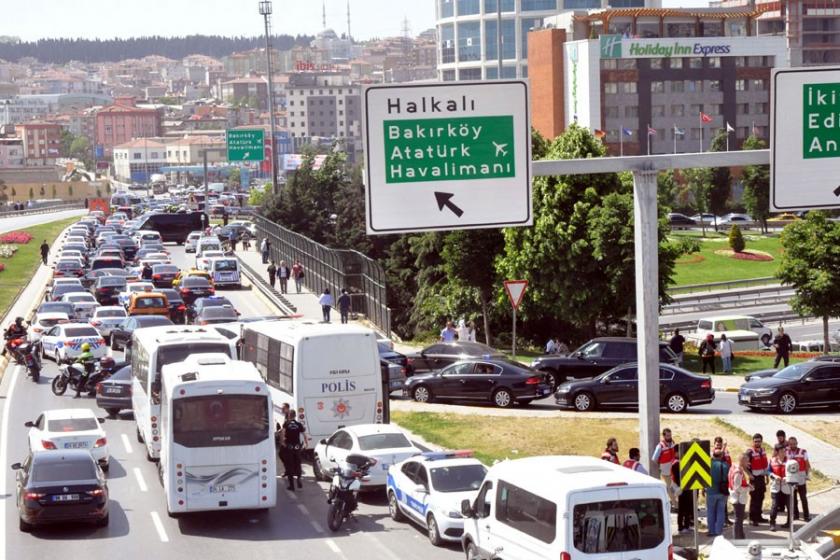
[20, 222]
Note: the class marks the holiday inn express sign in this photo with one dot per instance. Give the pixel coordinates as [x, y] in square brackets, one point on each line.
[805, 139]
[447, 156]
[618, 46]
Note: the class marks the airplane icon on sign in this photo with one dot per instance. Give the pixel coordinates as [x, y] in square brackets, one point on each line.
[500, 149]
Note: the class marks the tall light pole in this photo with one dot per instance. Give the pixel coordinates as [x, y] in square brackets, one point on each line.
[265, 11]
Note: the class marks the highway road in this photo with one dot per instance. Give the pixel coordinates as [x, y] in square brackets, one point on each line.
[139, 526]
[20, 222]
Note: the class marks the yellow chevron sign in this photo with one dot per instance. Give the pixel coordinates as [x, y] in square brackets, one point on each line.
[695, 465]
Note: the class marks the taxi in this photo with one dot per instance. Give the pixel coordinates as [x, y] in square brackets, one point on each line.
[192, 272]
[148, 303]
[428, 489]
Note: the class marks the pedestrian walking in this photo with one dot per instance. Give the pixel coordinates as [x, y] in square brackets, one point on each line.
[264, 250]
[685, 499]
[799, 480]
[294, 439]
[779, 488]
[551, 346]
[471, 331]
[677, 345]
[707, 353]
[283, 274]
[232, 240]
[463, 332]
[664, 455]
[727, 352]
[449, 334]
[739, 490]
[297, 275]
[782, 343]
[717, 494]
[759, 464]
[272, 274]
[634, 461]
[344, 304]
[326, 302]
[720, 445]
[45, 251]
[610, 452]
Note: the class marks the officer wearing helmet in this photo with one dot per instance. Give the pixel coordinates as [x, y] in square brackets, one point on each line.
[86, 359]
[13, 334]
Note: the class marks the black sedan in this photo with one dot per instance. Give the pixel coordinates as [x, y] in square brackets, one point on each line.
[163, 275]
[619, 388]
[121, 336]
[60, 487]
[809, 384]
[499, 381]
[202, 303]
[194, 287]
[114, 394]
[107, 288]
[439, 355]
[177, 308]
[675, 219]
[216, 315]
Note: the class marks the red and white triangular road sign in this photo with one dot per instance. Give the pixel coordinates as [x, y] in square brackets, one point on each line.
[515, 290]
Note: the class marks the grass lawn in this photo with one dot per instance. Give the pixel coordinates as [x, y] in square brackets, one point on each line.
[825, 430]
[21, 267]
[741, 364]
[705, 266]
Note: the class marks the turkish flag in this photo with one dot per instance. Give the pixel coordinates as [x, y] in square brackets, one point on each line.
[704, 118]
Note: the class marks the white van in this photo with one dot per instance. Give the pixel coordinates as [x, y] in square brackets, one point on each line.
[735, 327]
[567, 508]
[225, 272]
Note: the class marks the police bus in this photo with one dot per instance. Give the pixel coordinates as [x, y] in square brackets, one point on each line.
[217, 436]
[151, 349]
[328, 373]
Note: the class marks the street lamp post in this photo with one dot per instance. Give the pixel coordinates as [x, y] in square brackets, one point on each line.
[265, 11]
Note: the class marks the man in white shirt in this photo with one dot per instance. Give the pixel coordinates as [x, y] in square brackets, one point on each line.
[726, 353]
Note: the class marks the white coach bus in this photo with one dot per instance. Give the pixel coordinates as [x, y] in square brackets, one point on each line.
[151, 349]
[217, 436]
[328, 373]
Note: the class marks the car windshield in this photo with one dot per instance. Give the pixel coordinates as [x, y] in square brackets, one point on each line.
[68, 266]
[147, 302]
[383, 441]
[81, 331]
[152, 321]
[196, 282]
[138, 287]
[172, 295]
[123, 374]
[57, 307]
[111, 281]
[110, 313]
[618, 526]
[72, 424]
[795, 371]
[50, 322]
[218, 312]
[459, 478]
[165, 268]
[61, 471]
[226, 264]
[81, 298]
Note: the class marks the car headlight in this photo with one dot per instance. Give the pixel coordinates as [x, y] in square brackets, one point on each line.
[563, 389]
[764, 392]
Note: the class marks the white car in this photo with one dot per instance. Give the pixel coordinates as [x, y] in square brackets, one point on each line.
[157, 258]
[66, 281]
[44, 322]
[64, 341]
[70, 428]
[429, 488]
[192, 240]
[84, 304]
[106, 318]
[386, 443]
[132, 287]
[247, 224]
[203, 262]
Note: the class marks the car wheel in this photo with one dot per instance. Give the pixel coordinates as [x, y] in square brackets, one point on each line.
[584, 402]
[471, 551]
[552, 379]
[24, 526]
[432, 531]
[112, 412]
[318, 470]
[422, 394]
[394, 507]
[676, 403]
[503, 399]
[787, 403]
[103, 522]
[57, 358]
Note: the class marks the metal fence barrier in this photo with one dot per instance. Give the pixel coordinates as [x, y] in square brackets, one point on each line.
[336, 269]
[40, 208]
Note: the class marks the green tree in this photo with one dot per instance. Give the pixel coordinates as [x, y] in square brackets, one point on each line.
[666, 187]
[65, 141]
[539, 145]
[736, 239]
[258, 194]
[234, 178]
[756, 180]
[468, 258]
[349, 209]
[720, 187]
[811, 265]
[699, 181]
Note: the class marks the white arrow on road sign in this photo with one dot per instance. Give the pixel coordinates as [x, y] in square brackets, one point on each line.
[515, 290]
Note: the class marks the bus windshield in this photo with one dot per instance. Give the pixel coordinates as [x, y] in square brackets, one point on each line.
[220, 420]
[174, 353]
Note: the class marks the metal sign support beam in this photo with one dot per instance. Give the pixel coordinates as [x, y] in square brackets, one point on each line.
[645, 213]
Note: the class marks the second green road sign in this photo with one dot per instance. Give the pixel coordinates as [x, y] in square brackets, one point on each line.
[245, 145]
[447, 156]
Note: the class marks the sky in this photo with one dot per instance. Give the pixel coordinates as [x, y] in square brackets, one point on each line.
[35, 19]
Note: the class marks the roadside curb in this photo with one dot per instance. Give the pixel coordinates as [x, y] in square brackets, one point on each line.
[729, 389]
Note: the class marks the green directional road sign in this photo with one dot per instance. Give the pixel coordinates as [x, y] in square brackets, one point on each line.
[245, 145]
[695, 465]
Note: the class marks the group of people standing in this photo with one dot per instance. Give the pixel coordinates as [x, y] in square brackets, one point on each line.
[283, 273]
[708, 349]
[465, 332]
[741, 483]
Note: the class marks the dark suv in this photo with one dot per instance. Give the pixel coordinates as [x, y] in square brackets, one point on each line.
[594, 358]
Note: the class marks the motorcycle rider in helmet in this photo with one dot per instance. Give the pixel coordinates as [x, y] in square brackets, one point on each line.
[87, 360]
[107, 366]
[13, 334]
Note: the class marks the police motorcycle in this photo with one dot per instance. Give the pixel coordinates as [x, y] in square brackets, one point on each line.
[344, 490]
[71, 375]
[29, 354]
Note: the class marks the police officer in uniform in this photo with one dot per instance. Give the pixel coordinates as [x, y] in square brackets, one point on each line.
[611, 451]
[294, 439]
[758, 466]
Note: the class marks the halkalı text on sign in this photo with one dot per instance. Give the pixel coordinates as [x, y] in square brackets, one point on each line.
[822, 121]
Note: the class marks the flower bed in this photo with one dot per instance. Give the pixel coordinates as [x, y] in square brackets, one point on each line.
[2, 267]
[748, 255]
[691, 259]
[764, 354]
[18, 237]
[7, 251]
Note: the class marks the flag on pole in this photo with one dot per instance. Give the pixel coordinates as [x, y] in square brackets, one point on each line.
[600, 133]
[651, 131]
[704, 118]
[679, 131]
[627, 132]
[729, 128]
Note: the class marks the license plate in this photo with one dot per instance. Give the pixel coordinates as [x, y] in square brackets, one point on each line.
[76, 445]
[112, 390]
[222, 488]
[65, 498]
